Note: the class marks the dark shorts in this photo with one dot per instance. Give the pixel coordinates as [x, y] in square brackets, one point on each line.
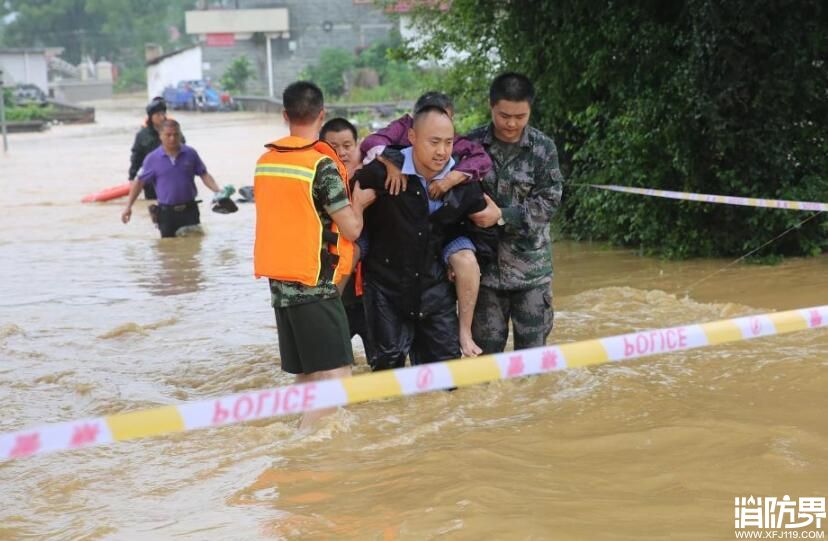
[314, 336]
[170, 218]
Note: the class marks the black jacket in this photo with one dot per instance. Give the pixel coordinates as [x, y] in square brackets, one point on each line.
[146, 140]
[405, 243]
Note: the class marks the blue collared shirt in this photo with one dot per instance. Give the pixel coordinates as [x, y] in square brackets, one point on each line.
[409, 169]
[460, 243]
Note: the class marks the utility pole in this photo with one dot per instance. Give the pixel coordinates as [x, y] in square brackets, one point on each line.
[3, 115]
[269, 66]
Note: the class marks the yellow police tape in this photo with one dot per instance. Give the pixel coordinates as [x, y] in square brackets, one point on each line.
[721, 199]
[293, 399]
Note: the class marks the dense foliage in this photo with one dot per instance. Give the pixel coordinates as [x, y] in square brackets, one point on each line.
[16, 113]
[112, 29]
[712, 96]
[398, 79]
[236, 75]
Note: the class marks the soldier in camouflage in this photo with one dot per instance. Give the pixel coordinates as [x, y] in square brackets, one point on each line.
[526, 185]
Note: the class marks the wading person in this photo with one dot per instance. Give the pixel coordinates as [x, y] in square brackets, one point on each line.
[342, 136]
[471, 164]
[526, 185]
[171, 169]
[410, 304]
[148, 139]
[305, 228]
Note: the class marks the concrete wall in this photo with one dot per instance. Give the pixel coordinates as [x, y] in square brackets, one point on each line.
[216, 60]
[186, 65]
[261, 104]
[79, 91]
[313, 25]
[25, 67]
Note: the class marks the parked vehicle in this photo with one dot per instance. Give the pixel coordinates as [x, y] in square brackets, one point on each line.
[29, 94]
[198, 95]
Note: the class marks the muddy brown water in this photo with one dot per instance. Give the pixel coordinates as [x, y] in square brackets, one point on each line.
[98, 318]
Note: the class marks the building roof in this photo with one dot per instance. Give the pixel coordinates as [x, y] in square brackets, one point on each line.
[158, 59]
[237, 21]
[21, 50]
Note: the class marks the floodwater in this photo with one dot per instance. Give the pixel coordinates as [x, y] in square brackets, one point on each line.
[97, 317]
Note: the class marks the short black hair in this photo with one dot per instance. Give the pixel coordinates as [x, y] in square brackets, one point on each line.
[303, 101]
[511, 86]
[337, 125]
[428, 109]
[434, 98]
[157, 105]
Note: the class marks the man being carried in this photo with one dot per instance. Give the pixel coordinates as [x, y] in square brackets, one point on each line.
[410, 304]
[472, 163]
[305, 226]
[171, 170]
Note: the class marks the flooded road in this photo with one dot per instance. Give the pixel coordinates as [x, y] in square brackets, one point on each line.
[97, 317]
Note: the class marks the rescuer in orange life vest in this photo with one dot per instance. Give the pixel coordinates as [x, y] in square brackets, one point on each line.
[305, 227]
[342, 136]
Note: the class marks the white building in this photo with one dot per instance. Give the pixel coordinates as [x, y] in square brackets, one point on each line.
[167, 70]
[25, 66]
[281, 38]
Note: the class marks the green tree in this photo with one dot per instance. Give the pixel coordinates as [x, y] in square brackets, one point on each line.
[329, 72]
[115, 29]
[237, 74]
[399, 80]
[713, 96]
[378, 55]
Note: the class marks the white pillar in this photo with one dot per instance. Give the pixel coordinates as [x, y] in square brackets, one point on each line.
[269, 66]
[3, 115]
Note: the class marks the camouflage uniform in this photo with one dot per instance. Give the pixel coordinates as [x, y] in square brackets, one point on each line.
[328, 197]
[526, 183]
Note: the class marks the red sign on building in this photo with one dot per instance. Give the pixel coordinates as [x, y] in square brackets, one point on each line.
[221, 40]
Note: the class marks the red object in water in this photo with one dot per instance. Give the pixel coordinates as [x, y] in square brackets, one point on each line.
[110, 193]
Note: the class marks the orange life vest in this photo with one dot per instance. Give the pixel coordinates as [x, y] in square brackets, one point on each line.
[358, 289]
[291, 244]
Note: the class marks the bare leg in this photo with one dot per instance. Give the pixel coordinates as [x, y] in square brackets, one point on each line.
[467, 283]
[310, 417]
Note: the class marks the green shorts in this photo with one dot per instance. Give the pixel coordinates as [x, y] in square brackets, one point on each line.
[314, 336]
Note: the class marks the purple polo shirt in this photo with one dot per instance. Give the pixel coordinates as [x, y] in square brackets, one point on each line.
[174, 178]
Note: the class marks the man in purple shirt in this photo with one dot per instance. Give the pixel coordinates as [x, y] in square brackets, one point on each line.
[171, 168]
